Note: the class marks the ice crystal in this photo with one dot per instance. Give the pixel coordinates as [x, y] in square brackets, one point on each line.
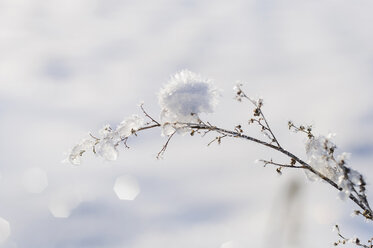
[107, 149]
[105, 145]
[78, 150]
[129, 126]
[186, 95]
[320, 152]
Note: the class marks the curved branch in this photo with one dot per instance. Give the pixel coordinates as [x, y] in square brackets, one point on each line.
[367, 211]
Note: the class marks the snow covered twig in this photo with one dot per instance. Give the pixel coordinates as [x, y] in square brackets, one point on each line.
[187, 95]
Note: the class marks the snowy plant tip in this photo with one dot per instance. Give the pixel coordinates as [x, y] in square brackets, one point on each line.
[239, 95]
[186, 94]
[105, 144]
[321, 156]
[183, 98]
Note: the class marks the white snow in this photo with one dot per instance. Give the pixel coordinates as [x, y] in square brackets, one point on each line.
[105, 145]
[186, 95]
[130, 125]
[318, 150]
[107, 149]
[77, 151]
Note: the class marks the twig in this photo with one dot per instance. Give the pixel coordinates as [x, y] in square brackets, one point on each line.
[218, 139]
[270, 162]
[163, 150]
[147, 115]
[356, 241]
[258, 111]
[367, 211]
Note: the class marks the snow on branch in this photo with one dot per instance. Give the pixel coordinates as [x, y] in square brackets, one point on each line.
[187, 95]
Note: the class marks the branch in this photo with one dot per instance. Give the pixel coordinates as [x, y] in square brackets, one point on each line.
[355, 241]
[147, 115]
[200, 126]
[164, 148]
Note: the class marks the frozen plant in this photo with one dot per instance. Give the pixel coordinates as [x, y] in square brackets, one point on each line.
[188, 94]
[343, 240]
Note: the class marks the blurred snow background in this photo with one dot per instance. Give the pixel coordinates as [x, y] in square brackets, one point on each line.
[69, 67]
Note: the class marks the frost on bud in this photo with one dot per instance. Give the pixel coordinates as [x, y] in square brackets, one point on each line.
[130, 125]
[355, 213]
[186, 95]
[346, 187]
[354, 240]
[319, 151]
[238, 91]
[107, 150]
[105, 145]
[343, 158]
[321, 156]
[77, 151]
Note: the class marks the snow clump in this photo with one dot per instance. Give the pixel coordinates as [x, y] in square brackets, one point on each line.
[105, 145]
[320, 152]
[186, 95]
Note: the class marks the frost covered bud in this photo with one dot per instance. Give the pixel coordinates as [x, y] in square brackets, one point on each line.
[186, 95]
[74, 156]
[238, 91]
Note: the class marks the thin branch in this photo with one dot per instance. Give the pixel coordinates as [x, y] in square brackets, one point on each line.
[147, 115]
[218, 139]
[367, 211]
[148, 127]
[269, 129]
[164, 148]
[270, 162]
[259, 111]
[355, 241]
[94, 137]
[307, 130]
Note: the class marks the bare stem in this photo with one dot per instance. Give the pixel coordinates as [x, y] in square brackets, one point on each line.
[260, 112]
[270, 162]
[356, 241]
[360, 202]
[164, 148]
[147, 115]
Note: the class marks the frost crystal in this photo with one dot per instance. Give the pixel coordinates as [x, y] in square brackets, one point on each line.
[186, 95]
[107, 149]
[319, 157]
[105, 145]
[78, 150]
[130, 125]
[320, 152]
